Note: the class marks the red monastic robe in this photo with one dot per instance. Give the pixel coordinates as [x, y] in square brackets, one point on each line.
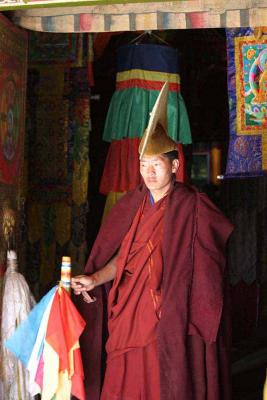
[192, 333]
[134, 310]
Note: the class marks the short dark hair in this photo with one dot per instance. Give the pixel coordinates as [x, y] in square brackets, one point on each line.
[172, 155]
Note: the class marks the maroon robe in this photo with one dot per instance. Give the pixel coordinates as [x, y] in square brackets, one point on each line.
[193, 335]
[134, 304]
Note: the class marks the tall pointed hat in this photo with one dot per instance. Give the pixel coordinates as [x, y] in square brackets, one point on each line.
[155, 139]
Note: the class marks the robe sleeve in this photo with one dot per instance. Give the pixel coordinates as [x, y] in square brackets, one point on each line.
[211, 233]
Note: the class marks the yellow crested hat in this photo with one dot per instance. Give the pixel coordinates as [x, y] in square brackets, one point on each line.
[155, 139]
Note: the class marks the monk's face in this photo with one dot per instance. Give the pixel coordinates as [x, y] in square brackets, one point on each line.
[157, 173]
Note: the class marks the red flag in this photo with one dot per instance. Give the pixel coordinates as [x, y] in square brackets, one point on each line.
[64, 328]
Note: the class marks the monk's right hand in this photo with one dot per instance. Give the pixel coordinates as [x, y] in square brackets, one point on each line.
[83, 283]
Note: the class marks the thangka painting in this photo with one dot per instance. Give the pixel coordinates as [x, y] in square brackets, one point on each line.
[13, 64]
[247, 89]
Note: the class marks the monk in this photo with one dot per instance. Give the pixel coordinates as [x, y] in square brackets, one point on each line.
[162, 247]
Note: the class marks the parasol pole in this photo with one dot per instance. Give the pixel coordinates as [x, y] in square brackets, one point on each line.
[65, 273]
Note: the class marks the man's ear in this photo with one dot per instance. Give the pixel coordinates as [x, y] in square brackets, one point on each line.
[175, 166]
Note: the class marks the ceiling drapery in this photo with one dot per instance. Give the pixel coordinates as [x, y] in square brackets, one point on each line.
[144, 16]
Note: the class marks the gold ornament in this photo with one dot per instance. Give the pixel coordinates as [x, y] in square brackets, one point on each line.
[8, 225]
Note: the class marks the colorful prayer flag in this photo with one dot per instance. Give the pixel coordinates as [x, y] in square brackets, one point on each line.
[47, 343]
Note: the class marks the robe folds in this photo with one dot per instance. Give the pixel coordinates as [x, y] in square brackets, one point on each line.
[193, 334]
[134, 302]
[134, 308]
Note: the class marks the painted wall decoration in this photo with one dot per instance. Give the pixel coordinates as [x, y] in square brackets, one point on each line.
[247, 89]
[251, 86]
[13, 64]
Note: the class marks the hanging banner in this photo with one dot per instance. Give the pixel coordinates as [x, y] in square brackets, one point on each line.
[130, 15]
[13, 69]
[142, 70]
[247, 90]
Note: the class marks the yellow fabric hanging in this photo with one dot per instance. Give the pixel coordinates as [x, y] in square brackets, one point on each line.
[111, 200]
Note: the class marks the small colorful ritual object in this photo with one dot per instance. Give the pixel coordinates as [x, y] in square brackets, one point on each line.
[66, 273]
[247, 89]
[47, 343]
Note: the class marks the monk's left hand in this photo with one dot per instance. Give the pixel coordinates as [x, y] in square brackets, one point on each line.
[81, 284]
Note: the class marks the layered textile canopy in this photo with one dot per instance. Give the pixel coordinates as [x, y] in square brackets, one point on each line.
[142, 70]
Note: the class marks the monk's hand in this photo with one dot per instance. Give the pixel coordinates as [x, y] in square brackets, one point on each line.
[82, 284]
[88, 298]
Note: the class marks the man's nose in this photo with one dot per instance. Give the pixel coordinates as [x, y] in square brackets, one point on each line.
[150, 169]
